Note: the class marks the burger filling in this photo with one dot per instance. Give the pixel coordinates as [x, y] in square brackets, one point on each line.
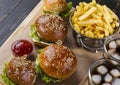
[63, 14]
[33, 34]
[44, 77]
[4, 77]
[66, 13]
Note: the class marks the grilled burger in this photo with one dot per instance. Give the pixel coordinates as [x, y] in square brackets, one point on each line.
[49, 28]
[19, 71]
[56, 63]
[60, 7]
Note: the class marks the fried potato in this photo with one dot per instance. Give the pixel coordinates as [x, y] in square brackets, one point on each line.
[94, 20]
[90, 11]
[89, 22]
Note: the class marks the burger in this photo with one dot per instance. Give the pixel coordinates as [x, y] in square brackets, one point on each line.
[19, 71]
[60, 7]
[49, 28]
[55, 63]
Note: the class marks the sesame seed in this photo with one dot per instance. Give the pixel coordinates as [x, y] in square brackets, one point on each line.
[53, 22]
[61, 53]
[23, 67]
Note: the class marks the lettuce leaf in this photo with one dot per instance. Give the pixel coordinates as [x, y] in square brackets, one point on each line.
[33, 33]
[4, 77]
[66, 13]
[40, 50]
[43, 76]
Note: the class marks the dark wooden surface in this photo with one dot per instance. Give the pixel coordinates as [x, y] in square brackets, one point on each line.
[13, 12]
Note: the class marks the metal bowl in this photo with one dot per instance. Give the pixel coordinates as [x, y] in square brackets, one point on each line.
[91, 44]
[106, 61]
[109, 39]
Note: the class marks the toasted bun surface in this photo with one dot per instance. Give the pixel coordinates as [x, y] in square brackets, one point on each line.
[55, 6]
[51, 28]
[21, 71]
[58, 61]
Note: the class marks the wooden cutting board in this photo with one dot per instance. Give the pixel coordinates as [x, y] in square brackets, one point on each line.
[84, 57]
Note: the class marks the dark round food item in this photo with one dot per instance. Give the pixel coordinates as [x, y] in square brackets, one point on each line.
[21, 71]
[55, 6]
[21, 47]
[58, 61]
[51, 28]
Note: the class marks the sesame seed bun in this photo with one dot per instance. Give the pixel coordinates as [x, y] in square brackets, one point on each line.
[21, 71]
[51, 28]
[57, 61]
[55, 6]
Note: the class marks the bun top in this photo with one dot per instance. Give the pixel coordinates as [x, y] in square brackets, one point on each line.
[51, 27]
[21, 71]
[55, 6]
[58, 61]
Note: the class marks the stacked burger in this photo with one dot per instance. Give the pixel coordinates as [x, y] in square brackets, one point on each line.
[51, 27]
[54, 62]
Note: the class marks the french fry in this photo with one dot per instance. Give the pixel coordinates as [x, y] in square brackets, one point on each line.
[86, 29]
[99, 28]
[94, 20]
[100, 9]
[91, 27]
[101, 36]
[82, 32]
[89, 33]
[109, 18]
[112, 14]
[90, 11]
[113, 25]
[89, 22]
[94, 1]
[106, 32]
[95, 16]
[108, 23]
[77, 27]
